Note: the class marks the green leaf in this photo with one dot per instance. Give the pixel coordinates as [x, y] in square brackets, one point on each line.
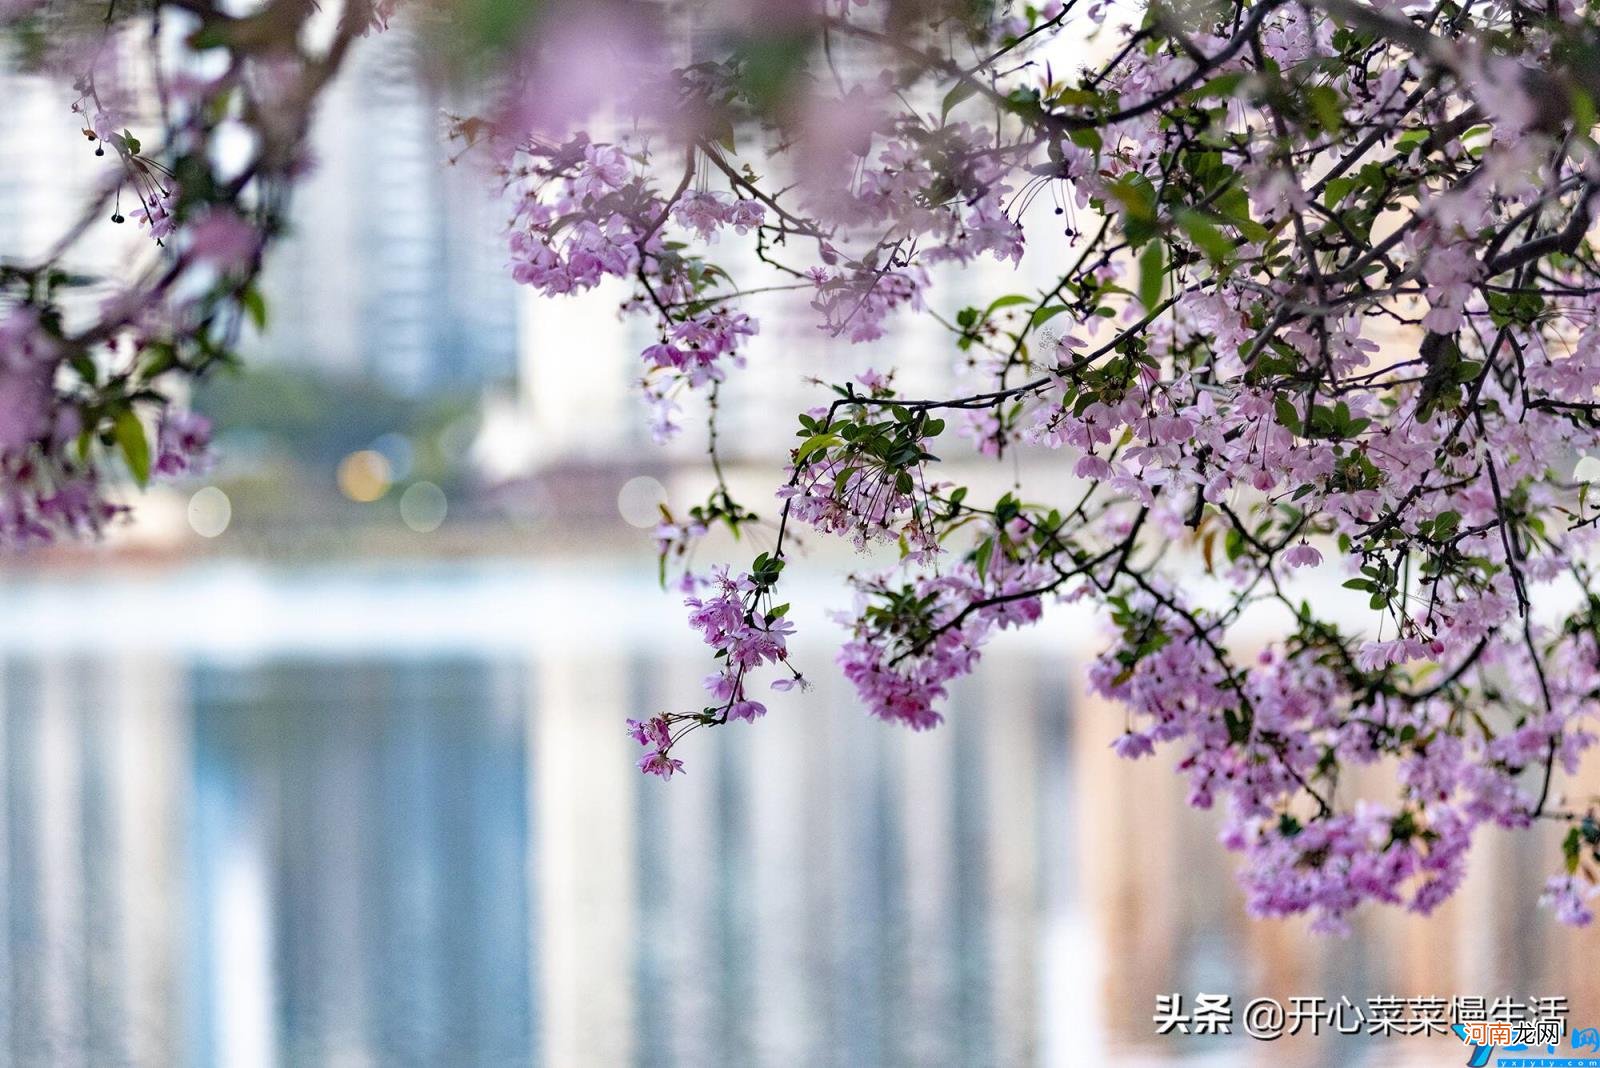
[1410, 139]
[135, 447]
[1221, 85]
[769, 66]
[1086, 138]
[962, 90]
[1045, 314]
[1233, 207]
[814, 443]
[985, 551]
[1249, 228]
[1283, 407]
[84, 364]
[255, 305]
[1007, 301]
[1078, 98]
[1151, 270]
[1206, 237]
[1233, 544]
[1338, 189]
[1326, 106]
[1138, 199]
[1583, 110]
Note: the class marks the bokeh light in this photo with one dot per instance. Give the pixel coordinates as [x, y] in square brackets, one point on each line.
[210, 512]
[365, 476]
[423, 507]
[640, 501]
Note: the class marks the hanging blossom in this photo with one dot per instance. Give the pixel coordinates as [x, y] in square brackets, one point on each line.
[1323, 313]
[588, 212]
[183, 444]
[736, 618]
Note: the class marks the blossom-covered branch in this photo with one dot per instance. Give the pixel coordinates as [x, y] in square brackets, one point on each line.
[1319, 345]
[1324, 300]
[100, 336]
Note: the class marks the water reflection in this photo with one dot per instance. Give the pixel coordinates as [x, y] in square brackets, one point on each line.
[450, 861]
[359, 852]
[444, 859]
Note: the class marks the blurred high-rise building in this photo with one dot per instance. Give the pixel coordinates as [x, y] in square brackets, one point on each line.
[395, 265]
[42, 183]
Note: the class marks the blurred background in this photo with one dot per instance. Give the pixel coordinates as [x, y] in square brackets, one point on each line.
[321, 761]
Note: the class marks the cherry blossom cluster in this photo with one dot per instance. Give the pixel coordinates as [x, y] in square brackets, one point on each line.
[908, 643]
[587, 212]
[1319, 344]
[736, 618]
[1264, 740]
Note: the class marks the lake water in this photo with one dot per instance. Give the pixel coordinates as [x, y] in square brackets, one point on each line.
[389, 817]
